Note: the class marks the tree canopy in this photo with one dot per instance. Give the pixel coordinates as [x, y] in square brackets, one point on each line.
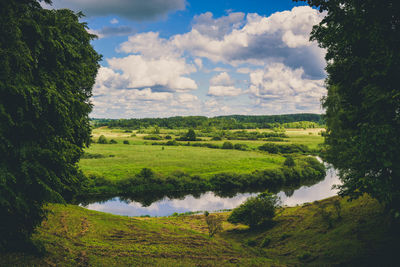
[362, 40]
[48, 68]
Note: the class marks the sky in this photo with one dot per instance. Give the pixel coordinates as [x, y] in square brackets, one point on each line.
[165, 58]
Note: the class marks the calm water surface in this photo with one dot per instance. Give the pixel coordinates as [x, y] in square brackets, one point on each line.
[210, 202]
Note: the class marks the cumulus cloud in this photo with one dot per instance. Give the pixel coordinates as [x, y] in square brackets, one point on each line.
[280, 86]
[222, 79]
[114, 21]
[223, 85]
[131, 9]
[162, 74]
[281, 37]
[154, 75]
[150, 45]
[112, 31]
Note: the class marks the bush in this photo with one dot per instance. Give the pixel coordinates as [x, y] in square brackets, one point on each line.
[214, 223]
[216, 138]
[112, 141]
[289, 161]
[240, 146]
[152, 137]
[256, 211]
[102, 140]
[168, 137]
[227, 145]
[126, 142]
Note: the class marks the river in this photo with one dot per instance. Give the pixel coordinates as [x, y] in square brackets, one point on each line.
[210, 202]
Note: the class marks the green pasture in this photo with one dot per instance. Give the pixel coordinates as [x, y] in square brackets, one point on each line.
[128, 160]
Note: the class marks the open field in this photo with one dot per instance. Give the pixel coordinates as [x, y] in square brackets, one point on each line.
[122, 161]
[74, 236]
[128, 160]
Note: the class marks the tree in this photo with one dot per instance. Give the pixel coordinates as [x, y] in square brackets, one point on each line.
[48, 68]
[256, 211]
[362, 40]
[190, 135]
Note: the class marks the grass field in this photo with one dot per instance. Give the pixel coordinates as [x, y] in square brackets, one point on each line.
[74, 236]
[128, 160]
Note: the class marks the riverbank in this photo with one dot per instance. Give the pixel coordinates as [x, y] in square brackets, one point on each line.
[301, 236]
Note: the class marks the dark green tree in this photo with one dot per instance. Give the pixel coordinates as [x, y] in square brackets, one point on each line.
[190, 135]
[362, 40]
[48, 68]
[256, 211]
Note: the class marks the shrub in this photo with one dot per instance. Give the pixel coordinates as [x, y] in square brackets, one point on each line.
[256, 211]
[126, 142]
[152, 137]
[227, 145]
[214, 223]
[112, 141]
[127, 131]
[289, 161]
[240, 146]
[102, 140]
[216, 138]
[168, 137]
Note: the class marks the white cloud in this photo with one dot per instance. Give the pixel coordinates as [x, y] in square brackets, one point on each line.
[221, 90]
[281, 37]
[199, 63]
[131, 9]
[163, 74]
[112, 31]
[243, 70]
[150, 45]
[280, 86]
[221, 79]
[114, 21]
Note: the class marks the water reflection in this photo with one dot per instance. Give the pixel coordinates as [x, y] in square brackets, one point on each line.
[211, 202]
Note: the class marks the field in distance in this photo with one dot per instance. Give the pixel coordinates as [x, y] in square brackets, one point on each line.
[119, 161]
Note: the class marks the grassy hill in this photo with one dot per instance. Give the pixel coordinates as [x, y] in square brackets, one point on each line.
[74, 236]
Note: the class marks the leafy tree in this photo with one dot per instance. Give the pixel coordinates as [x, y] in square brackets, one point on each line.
[362, 39]
[289, 161]
[256, 211]
[190, 135]
[48, 68]
[214, 223]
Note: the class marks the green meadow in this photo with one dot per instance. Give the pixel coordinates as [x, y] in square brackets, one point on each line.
[121, 161]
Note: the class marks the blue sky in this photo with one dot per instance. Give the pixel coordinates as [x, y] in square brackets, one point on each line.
[166, 58]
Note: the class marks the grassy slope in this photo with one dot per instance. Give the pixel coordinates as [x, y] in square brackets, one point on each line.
[76, 236]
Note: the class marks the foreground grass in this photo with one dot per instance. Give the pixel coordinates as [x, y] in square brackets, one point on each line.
[76, 236]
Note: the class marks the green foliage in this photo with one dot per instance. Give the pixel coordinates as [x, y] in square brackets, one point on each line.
[227, 145]
[48, 68]
[152, 137]
[256, 211]
[112, 141]
[214, 223]
[126, 142]
[265, 242]
[221, 122]
[362, 39]
[289, 161]
[283, 148]
[102, 140]
[168, 137]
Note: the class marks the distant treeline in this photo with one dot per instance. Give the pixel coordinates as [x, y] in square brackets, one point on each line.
[304, 120]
